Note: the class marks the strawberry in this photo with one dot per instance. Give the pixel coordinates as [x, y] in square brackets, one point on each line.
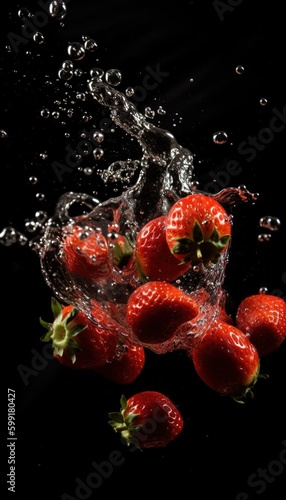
[262, 317]
[126, 366]
[148, 419]
[198, 229]
[226, 360]
[85, 252]
[78, 342]
[156, 309]
[153, 256]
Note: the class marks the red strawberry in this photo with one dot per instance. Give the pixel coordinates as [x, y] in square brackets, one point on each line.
[155, 310]
[226, 360]
[154, 258]
[85, 252]
[126, 366]
[77, 341]
[262, 317]
[198, 229]
[148, 419]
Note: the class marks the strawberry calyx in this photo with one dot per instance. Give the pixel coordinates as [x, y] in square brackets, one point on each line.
[125, 424]
[62, 331]
[121, 252]
[198, 250]
[248, 390]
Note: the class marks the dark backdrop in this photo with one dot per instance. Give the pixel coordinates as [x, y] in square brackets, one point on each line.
[227, 451]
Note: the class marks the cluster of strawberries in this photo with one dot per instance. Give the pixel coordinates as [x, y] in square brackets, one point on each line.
[195, 232]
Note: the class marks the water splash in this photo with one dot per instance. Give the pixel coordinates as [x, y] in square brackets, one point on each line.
[165, 175]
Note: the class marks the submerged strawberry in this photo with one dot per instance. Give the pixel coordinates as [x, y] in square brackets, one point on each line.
[148, 419]
[198, 229]
[77, 341]
[262, 317]
[126, 365]
[156, 309]
[85, 252]
[153, 256]
[226, 360]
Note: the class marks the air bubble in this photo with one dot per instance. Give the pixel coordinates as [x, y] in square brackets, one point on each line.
[113, 77]
[98, 136]
[149, 113]
[76, 51]
[129, 91]
[38, 37]
[269, 222]
[98, 153]
[97, 74]
[45, 113]
[220, 137]
[90, 45]
[263, 290]
[239, 69]
[263, 101]
[64, 74]
[33, 179]
[264, 237]
[58, 9]
[3, 134]
[161, 111]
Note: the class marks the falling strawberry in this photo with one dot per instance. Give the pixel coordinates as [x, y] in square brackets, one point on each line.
[126, 366]
[85, 252]
[262, 317]
[156, 309]
[198, 229]
[148, 419]
[154, 258]
[226, 360]
[77, 341]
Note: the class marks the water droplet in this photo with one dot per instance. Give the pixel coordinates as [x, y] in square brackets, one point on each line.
[98, 153]
[191, 80]
[269, 222]
[220, 137]
[263, 101]
[113, 77]
[78, 72]
[58, 9]
[263, 290]
[55, 115]
[239, 69]
[76, 51]
[264, 237]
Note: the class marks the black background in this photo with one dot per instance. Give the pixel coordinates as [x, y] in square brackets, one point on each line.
[61, 416]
